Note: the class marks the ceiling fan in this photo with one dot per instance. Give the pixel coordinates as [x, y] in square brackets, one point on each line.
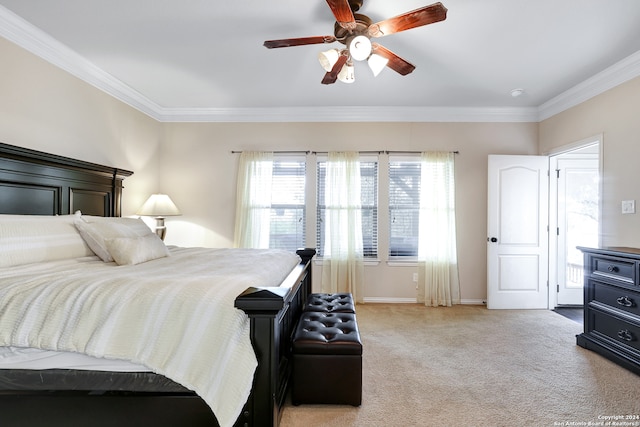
[355, 31]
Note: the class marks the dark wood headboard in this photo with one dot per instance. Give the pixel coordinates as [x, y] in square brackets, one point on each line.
[37, 183]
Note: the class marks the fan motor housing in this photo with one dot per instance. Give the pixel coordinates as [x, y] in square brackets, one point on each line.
[355, 5]
[362, 24]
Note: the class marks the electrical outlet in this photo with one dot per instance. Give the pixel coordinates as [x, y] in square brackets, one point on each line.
[415, 277]
[628, 206]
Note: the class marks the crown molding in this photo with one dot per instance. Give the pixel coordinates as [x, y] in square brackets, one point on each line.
[34, 40]
[350, 114]
[605, 80]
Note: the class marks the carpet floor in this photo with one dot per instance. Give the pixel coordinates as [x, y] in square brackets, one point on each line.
[470, 366]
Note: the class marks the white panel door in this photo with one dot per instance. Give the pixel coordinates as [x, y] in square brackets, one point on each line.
[517, 242]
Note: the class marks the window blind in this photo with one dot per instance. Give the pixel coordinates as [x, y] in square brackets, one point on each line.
[404, 207]
[288, 204]
[369, 206]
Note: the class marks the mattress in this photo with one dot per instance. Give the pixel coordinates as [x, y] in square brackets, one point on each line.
[36, 359]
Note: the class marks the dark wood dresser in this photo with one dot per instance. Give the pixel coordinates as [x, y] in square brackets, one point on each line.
[611, 304]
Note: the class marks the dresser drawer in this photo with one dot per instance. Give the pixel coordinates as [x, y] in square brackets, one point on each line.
[618, 269]
[620, 298]
[616, 329]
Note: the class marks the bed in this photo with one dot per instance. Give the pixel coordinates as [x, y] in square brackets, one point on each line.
[38, 184]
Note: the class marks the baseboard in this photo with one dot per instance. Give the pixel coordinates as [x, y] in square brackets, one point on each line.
[473, 302]
[391, 300]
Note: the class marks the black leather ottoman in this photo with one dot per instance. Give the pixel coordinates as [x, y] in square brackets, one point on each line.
[330, 303]
[327, 360]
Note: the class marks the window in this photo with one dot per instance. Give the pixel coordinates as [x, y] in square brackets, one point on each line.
[287, 230]
[369, 202]
[404, 207]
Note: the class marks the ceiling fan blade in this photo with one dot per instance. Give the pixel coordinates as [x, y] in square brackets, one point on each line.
[416, 18]
[396, 63]
[332, 75]
[343, 13]
[271, 44]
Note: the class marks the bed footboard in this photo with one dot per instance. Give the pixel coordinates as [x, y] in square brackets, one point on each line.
[273, 313]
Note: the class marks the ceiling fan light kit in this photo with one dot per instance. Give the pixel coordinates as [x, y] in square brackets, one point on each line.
[360, 48]
[355, 31]
[377, 63]
[328, 58]
[347, 73]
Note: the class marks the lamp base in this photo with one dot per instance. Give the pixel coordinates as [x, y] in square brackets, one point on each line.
[161, 230]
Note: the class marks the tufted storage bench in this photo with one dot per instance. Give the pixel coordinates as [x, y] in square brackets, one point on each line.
[330, 303]
[327, 359]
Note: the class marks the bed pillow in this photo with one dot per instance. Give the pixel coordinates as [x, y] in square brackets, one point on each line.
[136, 250]
[27, 239]
[94, 231]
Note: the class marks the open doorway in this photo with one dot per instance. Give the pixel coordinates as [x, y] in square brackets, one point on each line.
[574, 218]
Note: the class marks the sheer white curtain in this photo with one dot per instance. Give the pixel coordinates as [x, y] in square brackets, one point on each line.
[437, 257]
[343, 261]
[253, 200]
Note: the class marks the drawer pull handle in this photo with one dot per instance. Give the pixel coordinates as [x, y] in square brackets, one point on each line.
[625, 301]
[625, 335]
[612, 268]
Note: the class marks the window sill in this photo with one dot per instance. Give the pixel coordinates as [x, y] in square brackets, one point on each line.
[399, 262]
[368, 262]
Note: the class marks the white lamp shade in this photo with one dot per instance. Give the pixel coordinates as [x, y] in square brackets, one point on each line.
[377, 63]
[347, 73]
[328, 58]
[360, 48]
[159, 205]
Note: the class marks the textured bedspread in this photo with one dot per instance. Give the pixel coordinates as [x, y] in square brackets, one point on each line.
[174, 315]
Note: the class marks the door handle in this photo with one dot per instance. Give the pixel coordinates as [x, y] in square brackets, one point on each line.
[492, 239]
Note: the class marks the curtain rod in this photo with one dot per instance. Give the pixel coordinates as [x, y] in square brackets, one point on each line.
[280, 152]
[414, 152]
[361, 152]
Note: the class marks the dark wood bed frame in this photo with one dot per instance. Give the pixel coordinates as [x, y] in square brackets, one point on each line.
[37, 183]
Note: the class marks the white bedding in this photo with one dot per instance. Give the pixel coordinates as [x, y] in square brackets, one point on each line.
[174, 315]
[36, 359]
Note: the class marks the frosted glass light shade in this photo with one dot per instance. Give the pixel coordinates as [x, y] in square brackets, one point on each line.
[159, 205]
[328, 58]
[360, 48]
[377, 63]
[347, 73]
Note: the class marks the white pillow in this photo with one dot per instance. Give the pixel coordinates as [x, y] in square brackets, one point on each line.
[27, 239]
[94, 231]
[136, 250]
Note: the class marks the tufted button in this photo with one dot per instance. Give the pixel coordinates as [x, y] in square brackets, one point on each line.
[329, 303]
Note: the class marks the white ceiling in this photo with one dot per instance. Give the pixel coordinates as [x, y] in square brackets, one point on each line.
[204, 60]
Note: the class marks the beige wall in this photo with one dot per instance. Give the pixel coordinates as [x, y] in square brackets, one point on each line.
[199, 172]
[47, 109]
[616, 115]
